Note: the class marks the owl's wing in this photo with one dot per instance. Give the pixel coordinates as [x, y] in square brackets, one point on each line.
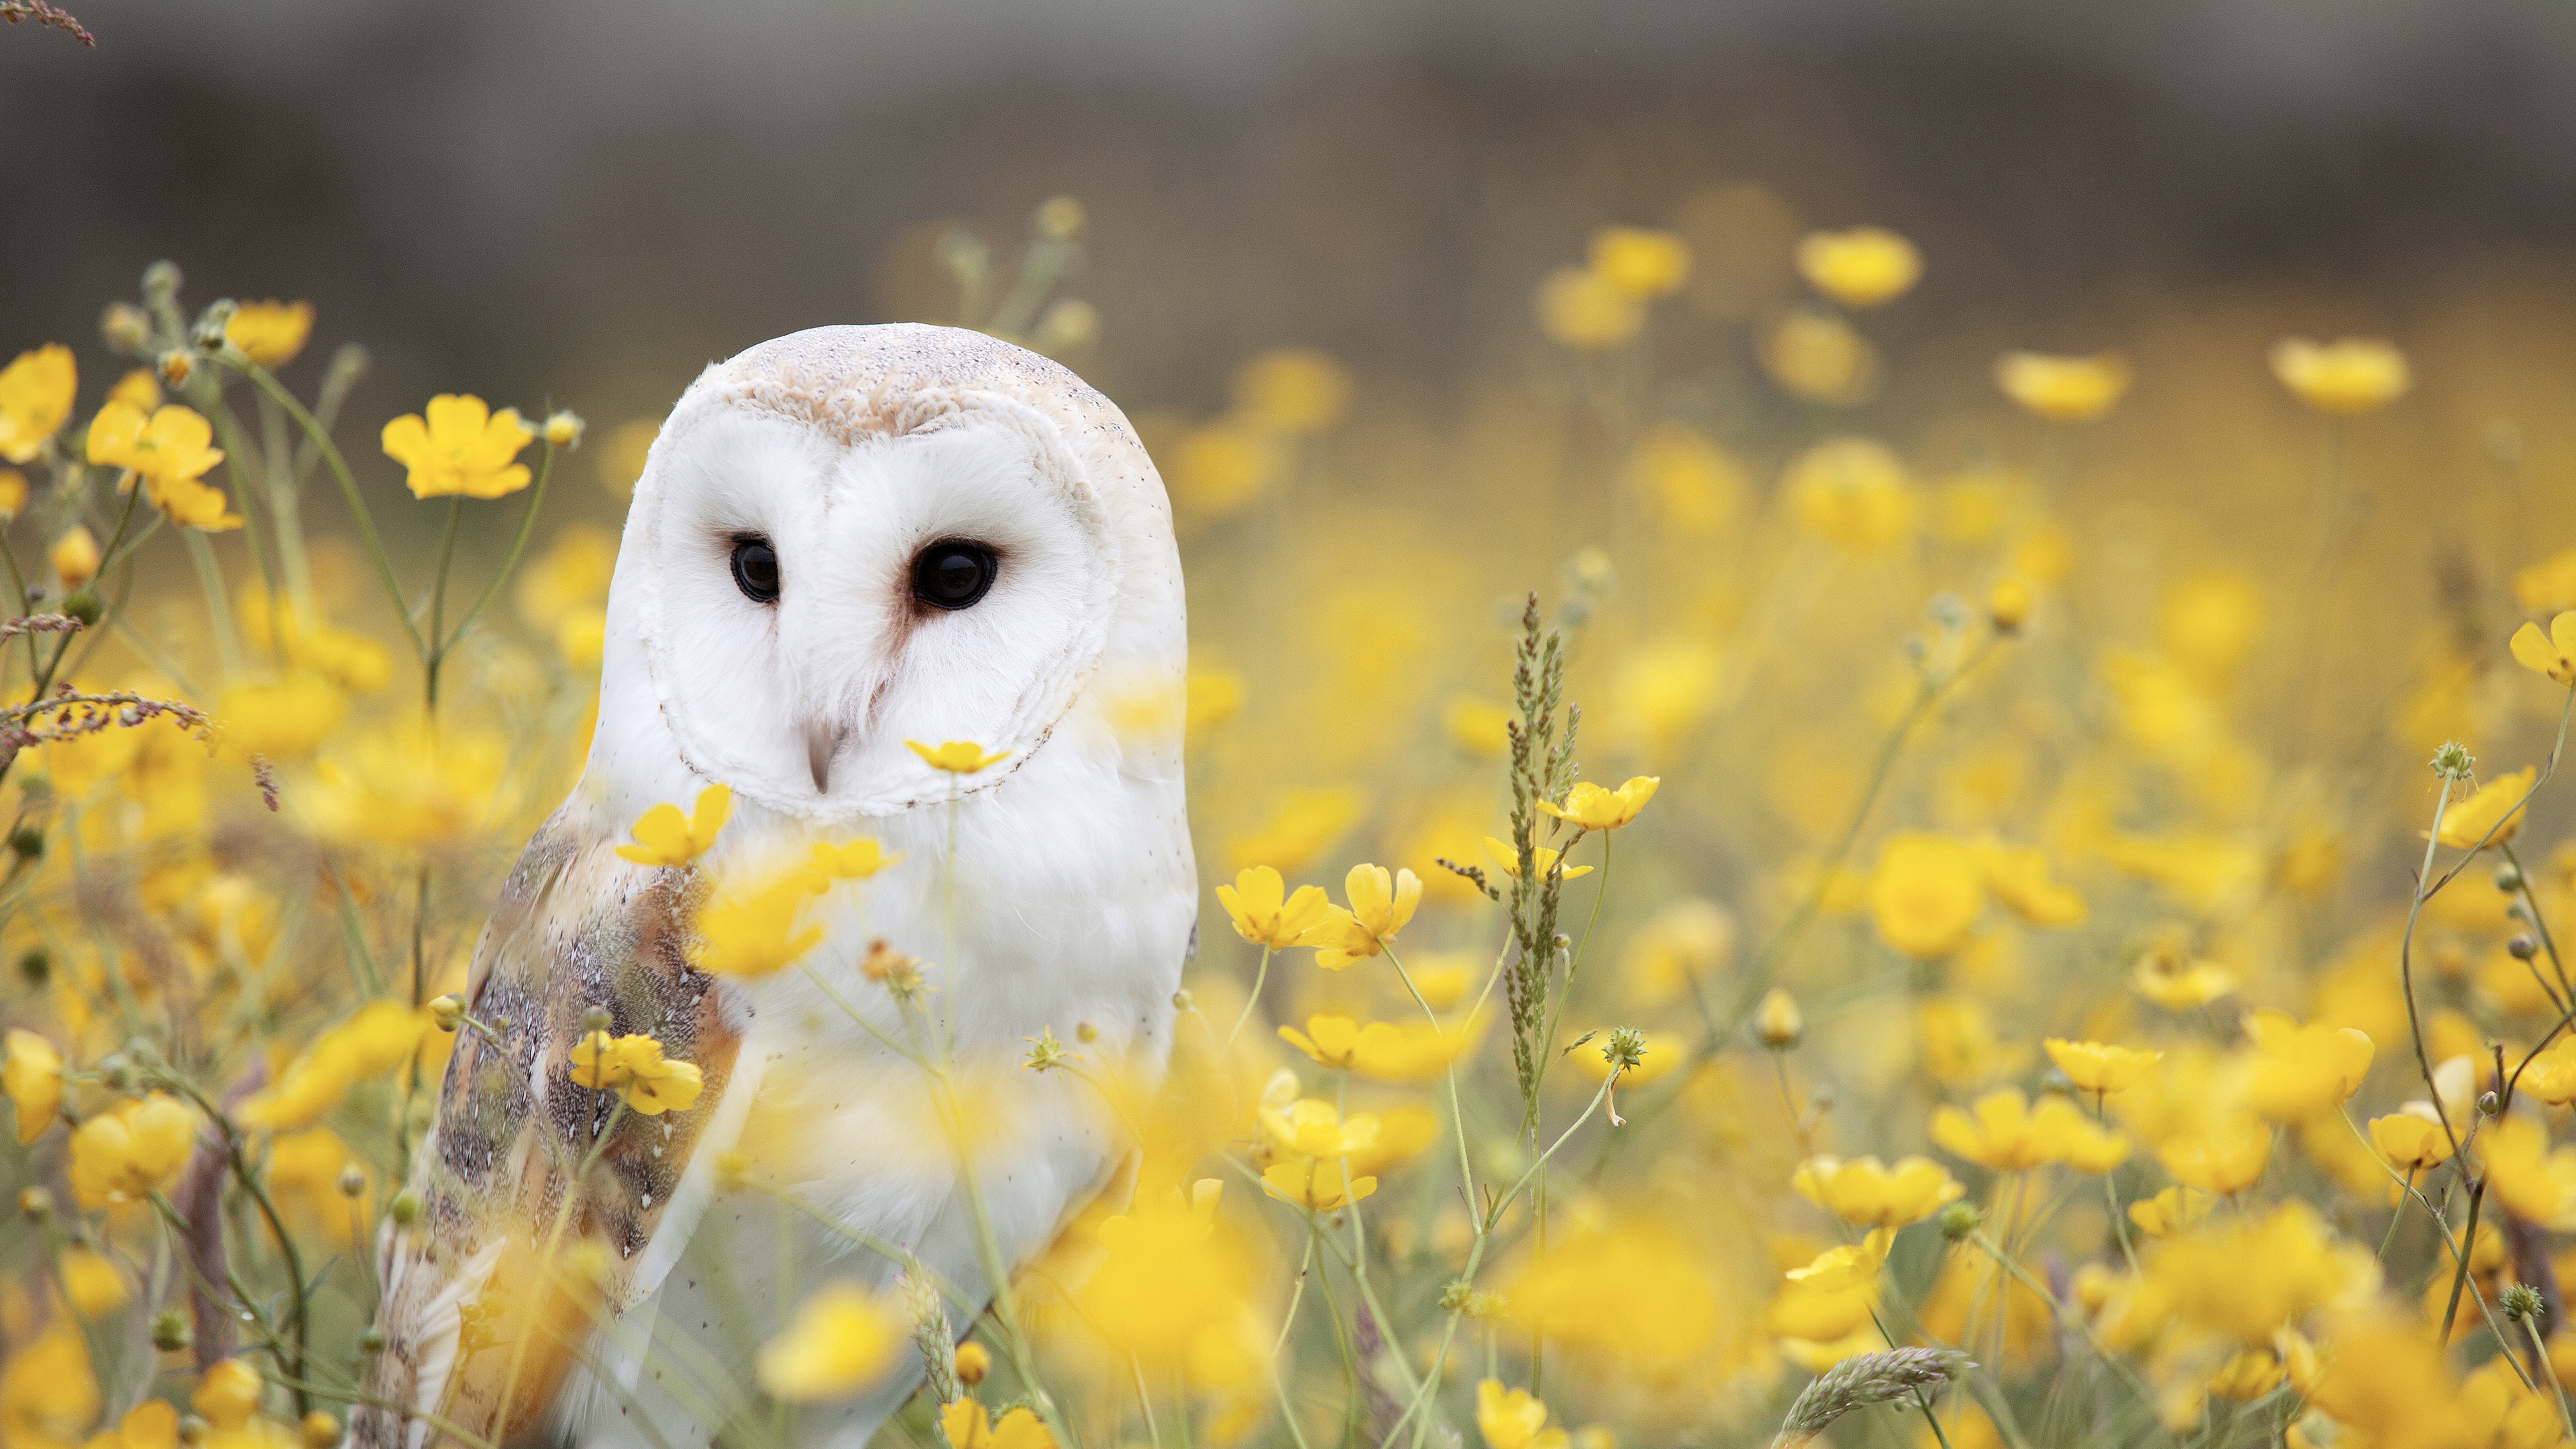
[536, 1216]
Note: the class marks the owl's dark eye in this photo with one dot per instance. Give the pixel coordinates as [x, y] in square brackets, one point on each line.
[953, 573]
[755, 569]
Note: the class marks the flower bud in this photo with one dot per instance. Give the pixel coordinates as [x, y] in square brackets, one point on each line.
[118, 1072]
[1059, 217]
[36, 968]
[161, 281]
[193, 1429]
[1085, 1032]
[596, 1019]
[1777, 1022]
[171, 1331]
[2453, 760]
[1456, 1297]
[1181, 1001]
[447, 1011]
[2522, 947]
[2520, 1301]
[353, 1183]
[35, 1204]
[2008, 604]
[2508, 878]
[2489, 1104]
[175, 365]
[371, 1341]
[27, 842]
[321, 1431]
[1958, 1220]
[74, 557]
[974, 1361]
[406, 1207]
[213, 323]
[84, 605]
[563, 428]
[126, 328]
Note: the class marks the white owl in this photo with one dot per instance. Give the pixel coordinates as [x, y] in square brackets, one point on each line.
[845, 539]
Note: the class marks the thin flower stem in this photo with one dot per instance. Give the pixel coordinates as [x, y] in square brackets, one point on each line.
[2059, 1311]
[219, 614]
[510, 563]
[2539, 923]
[1259, 977]
[2397, 1215]
[438, 605]
[2540, 1365]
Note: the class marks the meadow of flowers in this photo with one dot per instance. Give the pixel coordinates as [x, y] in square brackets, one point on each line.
[1754, 913]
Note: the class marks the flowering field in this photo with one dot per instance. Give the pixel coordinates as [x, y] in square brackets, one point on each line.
[1745, 920]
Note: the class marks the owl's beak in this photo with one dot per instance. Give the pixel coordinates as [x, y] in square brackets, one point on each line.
[822, 741]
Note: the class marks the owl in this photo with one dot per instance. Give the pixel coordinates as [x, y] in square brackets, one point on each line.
[844, 541]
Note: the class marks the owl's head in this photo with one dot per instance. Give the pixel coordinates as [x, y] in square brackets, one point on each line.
[853, 537]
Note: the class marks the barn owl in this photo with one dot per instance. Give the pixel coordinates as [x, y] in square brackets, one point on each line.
[844, 540]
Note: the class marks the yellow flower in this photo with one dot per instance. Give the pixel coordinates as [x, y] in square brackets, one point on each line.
[1830, 1297]
[33, 1078]
[633, 1067]
[2411, 1143]
[1380, 905]
[1223, 467]
[956, 757]
[407, 788]
[1865, 266]
[1542, 857]
[1312, 1127]
[572, 574]
[1581, 309]
[969, 1427]
[2533, 1182]
[1265, 914]
[1513, 1419]
[1292, 391]
[168, 451]
[1476, 726]
[2224, 1157]
[2007, 1135]
[855, 860]
[1401, 1133]
[48, 1395]
[270, 333]
[13, 494]
[1863, 1192]
[36, 391]
[2100, 1067]
[286, 719]
[1640, 261]
[124, 1155]
[228, 1392]
[1171, 1291]
[2008, 604]
[74, 557]
[2172, 980]
[1852, 493]
[1315, 1183]
[755, 930]
[2351, 376]
[665, 838]
[2496, 806]
[462, 447]
[2019, 879]
[2174, 1210]
[1592, 807]
[1926, 893]
[1777, 1022]
[2300, 1071]
[94, 1285]
[1689, 484]
[2551, 1076]
[2553, 653]
[1333, 1041]
[379, 1037]
[1816, 355]
[840, 1341]
[2063, 389]
[152, 1424]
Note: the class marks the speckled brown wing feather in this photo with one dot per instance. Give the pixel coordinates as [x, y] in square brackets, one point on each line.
[490, 1291]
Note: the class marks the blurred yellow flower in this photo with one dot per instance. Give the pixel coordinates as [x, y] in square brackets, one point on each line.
[13, 494]
[125, 1155]
[2224, 1157]
[1380, 906]
[95, 1286]
[2496, 806]
[1581, 309]
[1594, 807]
[228, 1392]
[285, 719]
[2350, 376]
[572, 573]
[2534, 1183]
[169, 451]
[634, 1068]
[1304, 823]
[840, 1341]
[2063, 389]
[2019, 878]
[1315, 1184]
[350, 661]
[2410, 1143]
[968, 1426]
[2006, 1134]
[2549, 1077]
[2008, 604]
[408, 789]
[1688, 482]
[1818, 356]
[2174, 1210]
[1171, 1291]
[36, 391]
[754, 929]
[48, 1394]
[378, 1037]
[33, 1078]
[1632, 1286]
[1513, 1419]
[1865, 266]
[270, 333]
[2300, 1071]
[1686, 942]
[2553, 653]
[1312, 1127]
[1852, 493]
[2099, 1066]
[1265, 914]
[460, 447]
[1292, 391]
[2246, 1278]
[140, 388]
[1777, 1022]
[1224, 467]
[1831, 1297]
[1477, 726]
[1542, 859]
[1639, 261]
[956, 757]
[1926, 893]
[74, 557]
[622, 453]
[2169, 977]
[1866, 1193]
[664, 837]
[852, 860]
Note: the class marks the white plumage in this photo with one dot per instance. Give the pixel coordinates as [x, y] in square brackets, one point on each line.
[848, 452]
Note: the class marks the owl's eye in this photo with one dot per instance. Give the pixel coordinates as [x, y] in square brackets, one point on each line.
[755, 569]
[953, 573]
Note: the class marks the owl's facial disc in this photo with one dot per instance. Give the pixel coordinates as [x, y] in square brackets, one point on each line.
[823, 603]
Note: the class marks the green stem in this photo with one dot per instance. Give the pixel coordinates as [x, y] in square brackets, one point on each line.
[210, 579]
[1258, 977]
[438, 607]
[518, 546]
